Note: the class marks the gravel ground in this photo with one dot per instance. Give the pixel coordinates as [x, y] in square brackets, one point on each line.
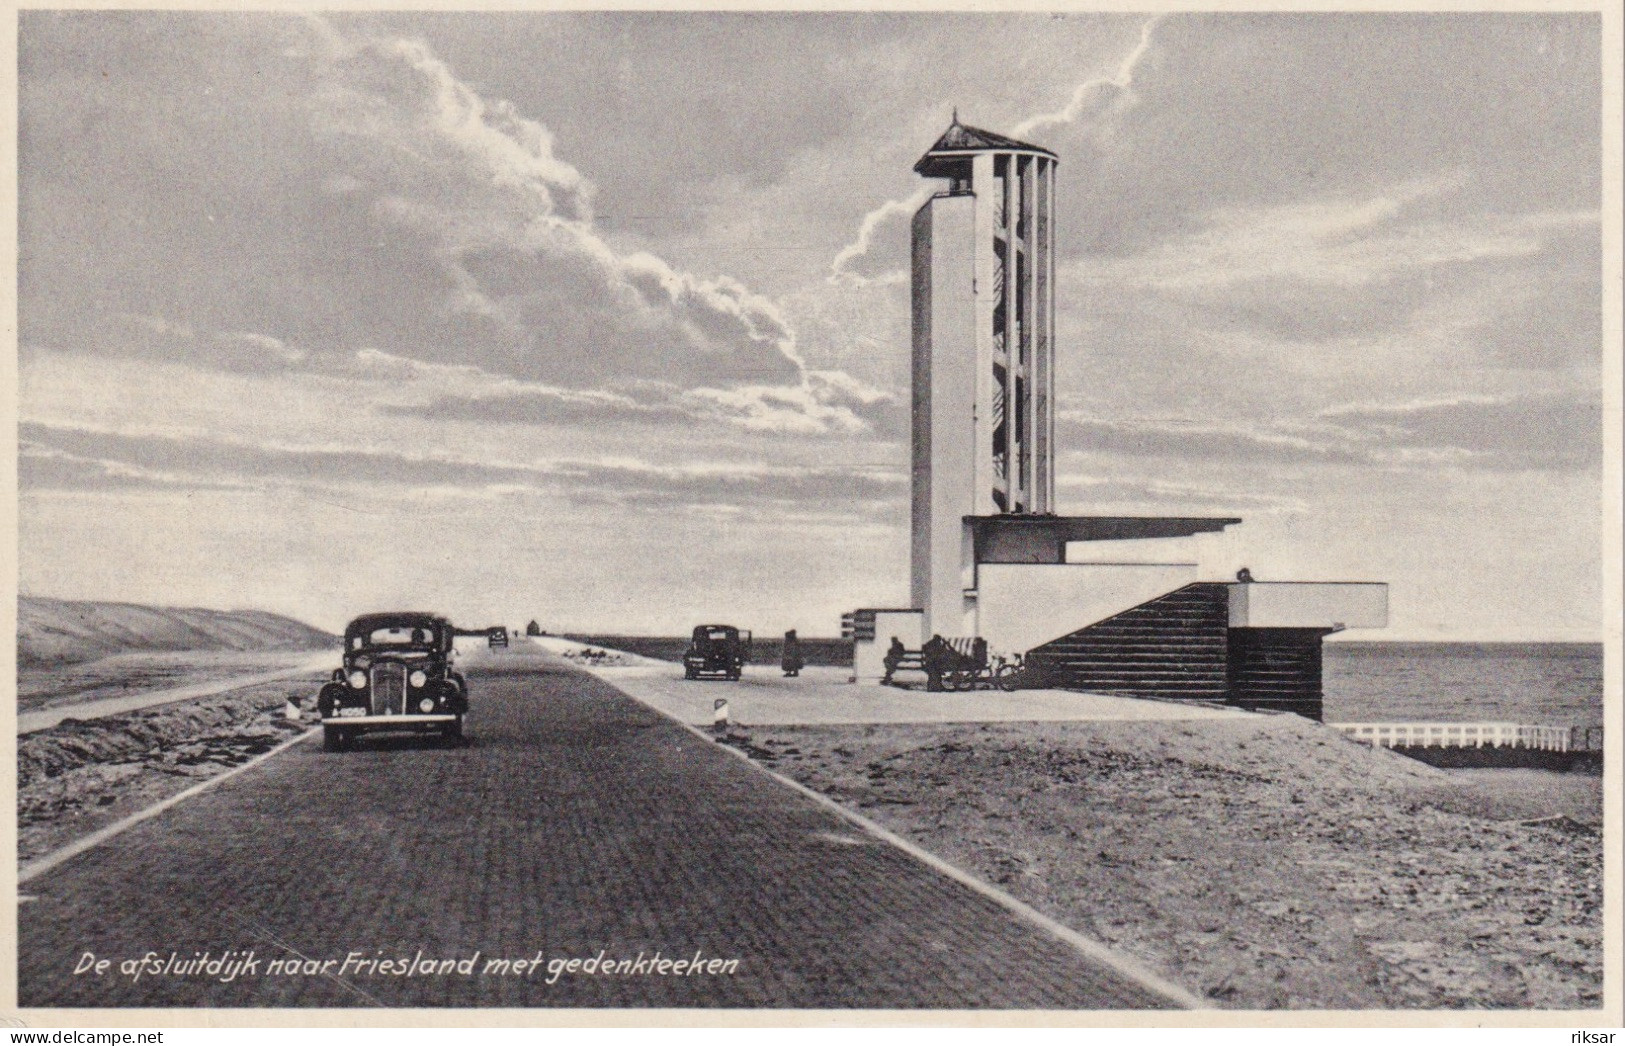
[77, 777]
[1263, 863]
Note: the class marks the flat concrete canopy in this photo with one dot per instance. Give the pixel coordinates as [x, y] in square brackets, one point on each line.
[1016, 538]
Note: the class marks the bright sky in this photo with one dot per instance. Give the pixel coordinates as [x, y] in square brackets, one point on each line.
[602, 319]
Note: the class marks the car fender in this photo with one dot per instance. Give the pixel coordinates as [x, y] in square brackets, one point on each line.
[455, 695]
[327, 699]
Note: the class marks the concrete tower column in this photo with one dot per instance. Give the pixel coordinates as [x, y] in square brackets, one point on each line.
[983, 333]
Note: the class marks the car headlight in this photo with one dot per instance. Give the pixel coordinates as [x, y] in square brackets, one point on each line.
[417, 678]
[426, 705]
[358, 679]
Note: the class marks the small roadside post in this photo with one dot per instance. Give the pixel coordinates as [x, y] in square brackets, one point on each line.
[719, 715]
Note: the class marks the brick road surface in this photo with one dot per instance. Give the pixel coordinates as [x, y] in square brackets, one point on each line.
[576, 822]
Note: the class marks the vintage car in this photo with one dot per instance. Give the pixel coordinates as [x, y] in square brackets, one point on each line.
[716, 651]
[397, 675]
[497, 637]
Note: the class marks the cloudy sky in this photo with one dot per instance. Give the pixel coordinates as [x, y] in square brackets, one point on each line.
[602, 318]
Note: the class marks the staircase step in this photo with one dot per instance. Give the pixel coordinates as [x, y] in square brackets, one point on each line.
[1167, 664]
[1167, 695]
[1149, 645]
[1174, 646]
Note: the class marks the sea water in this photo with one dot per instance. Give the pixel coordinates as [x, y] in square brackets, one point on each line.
[1542, 684]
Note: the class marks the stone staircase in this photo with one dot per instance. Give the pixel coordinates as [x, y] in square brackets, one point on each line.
[1175, 646]
[1277, 668]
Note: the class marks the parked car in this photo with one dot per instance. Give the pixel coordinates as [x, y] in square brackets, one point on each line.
[497, 637]
[397, 675]
[717, 651]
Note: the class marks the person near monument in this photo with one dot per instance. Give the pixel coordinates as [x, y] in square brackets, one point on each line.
[894, 657]
[790, 658]
[937, 659]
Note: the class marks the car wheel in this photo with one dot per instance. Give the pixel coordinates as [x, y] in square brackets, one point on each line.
[453, 731]
[689, 673]
[335, 739]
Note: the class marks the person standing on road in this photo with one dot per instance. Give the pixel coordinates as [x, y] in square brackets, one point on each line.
[790, 658]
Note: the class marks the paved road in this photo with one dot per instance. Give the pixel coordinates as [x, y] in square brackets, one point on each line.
[577, 823]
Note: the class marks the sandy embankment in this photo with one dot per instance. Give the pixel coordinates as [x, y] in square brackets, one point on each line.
[1262, 861]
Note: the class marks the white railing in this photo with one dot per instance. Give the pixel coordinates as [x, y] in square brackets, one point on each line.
[1465, 735]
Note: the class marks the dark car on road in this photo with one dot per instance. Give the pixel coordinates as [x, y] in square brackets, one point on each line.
[397, 675]
[716, 651]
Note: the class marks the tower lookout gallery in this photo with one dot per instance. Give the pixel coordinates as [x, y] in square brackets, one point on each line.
[990, 558]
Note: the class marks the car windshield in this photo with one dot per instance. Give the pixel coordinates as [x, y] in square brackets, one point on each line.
[404, 635]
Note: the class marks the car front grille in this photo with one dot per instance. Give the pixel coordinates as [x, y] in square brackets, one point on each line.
[388, 689]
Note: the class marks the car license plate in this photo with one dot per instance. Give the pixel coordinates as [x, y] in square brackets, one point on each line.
[352, 711]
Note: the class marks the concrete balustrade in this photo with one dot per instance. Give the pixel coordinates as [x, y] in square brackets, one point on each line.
[1473, 735]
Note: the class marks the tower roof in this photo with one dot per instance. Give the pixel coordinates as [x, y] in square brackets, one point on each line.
[959, 141]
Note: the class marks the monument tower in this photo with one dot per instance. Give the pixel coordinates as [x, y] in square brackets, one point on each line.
[984, 349]
[1081, 598]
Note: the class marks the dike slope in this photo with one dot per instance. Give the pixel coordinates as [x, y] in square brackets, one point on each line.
[62, 631]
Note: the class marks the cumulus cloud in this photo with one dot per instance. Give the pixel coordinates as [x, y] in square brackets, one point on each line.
[827, 404]
[1481, 432]
[541, 406]
[1334, 242]
[42, 466]
[1098, 99]
[1188, 440]
[766, 409]
[84, 458]
[373, 200]
[1167, 497]
[840, 268]
[1366, 289]
[1097, 102]
[514, 228]
[1531, 431]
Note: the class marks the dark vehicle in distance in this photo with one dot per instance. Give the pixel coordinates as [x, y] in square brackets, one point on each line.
[716, 651]
[397, 675]
[497, 637]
